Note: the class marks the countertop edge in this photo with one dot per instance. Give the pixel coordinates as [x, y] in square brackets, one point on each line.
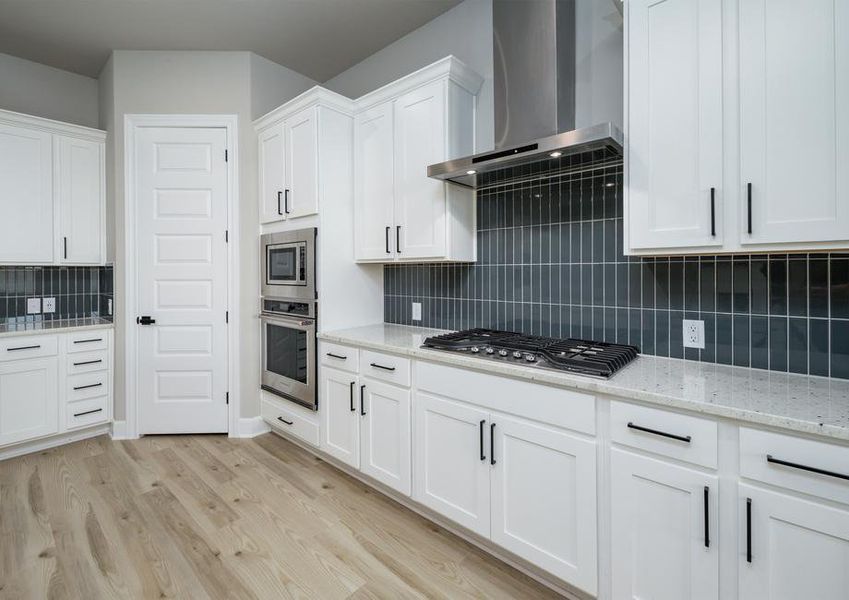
[597, 386]
[55, 330]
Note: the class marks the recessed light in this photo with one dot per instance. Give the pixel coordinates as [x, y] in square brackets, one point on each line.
[555, 154]
[471, 172]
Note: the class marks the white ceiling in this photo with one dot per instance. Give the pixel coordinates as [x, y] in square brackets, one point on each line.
[317, 38]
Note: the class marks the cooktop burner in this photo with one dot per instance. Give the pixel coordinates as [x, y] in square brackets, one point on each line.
[596, 359]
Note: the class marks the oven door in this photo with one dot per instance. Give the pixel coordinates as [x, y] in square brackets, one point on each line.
[288, 359]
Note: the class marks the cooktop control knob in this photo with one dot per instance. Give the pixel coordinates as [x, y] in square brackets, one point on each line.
[502, 353]
[475, 349]
[490, 350]
[517, 354]
[530, 357]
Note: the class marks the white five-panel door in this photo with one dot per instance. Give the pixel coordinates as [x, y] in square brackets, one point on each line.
[182, 278]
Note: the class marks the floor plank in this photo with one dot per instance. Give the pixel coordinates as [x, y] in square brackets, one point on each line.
[212, 517]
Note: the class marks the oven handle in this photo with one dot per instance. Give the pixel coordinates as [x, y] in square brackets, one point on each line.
[302, 324]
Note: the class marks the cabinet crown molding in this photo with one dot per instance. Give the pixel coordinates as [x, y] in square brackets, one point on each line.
[8, 117]
[314, 96]
[449, 67]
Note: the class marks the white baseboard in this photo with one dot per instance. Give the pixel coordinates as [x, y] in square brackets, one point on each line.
[53, 441]
[250, 427]
[119, 431]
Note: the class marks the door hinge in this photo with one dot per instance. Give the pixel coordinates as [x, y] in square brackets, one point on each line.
[227, 316]
[226, 156]
[227, 396]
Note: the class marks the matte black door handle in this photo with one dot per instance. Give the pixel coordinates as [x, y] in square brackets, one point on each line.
[286, 202]
[398, 239]
[353, 408]
[145, 320]
[749, 205]
[707, 517]
[279, 196]
[387, 240]
[377, 366]
[713, 212]
[492, 444]
[482, 423]
[282, 420]
[680, 438]
[362, 402]
[748, 530]
[778, 461]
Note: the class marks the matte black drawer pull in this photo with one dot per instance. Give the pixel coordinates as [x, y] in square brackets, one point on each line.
[492, 444]
[85, 387]
[377, 366]
[713, 212]
[22, 348]
[88, 362]
[88, 412]
[339, 356]
[362, 402]
[680, 438]
[785, 463]
[748, 530]
[483, 455]
[88, 341]
[707, 517]
[353, 408]
[282, 420]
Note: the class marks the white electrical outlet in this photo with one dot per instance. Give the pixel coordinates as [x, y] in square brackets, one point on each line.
[48, 305]
[417, 311]
[694, 334]
[33, 306]
[109, 307]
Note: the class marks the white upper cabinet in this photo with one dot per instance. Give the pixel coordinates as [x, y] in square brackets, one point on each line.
[26, 194]
[794, 121]
[737, 126]
[52, 190]
[291, 139]
[402, 128]
[79, 192]
[675, 123]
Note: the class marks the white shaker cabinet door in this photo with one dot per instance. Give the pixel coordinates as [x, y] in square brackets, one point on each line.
[272, 173]
[794, 121]
[374, 157]
[79, 193]
[29, 399]
[664, 524]
[300, 195]
[26, 196]
[340, 406]
[675, 142]
[386, 440]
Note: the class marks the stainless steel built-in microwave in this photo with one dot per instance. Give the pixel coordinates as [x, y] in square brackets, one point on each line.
[288, 264]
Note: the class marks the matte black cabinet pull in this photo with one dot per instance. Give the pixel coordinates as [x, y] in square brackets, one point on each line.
[749, 206]
[362, 402]
[65, 242]
[353, 408]
[88, 412]
[377, 366]
[88, 362]
[398, 239]
[387, 240]
[492, 444]
[778, 461]
[22, 348]
[707, 517]
[713, 212]
[286, 202]
[85, 387]
[279, 198]
[680, 438]
[89, 341]
[481, 427]
[339, 356]
[748, 530]
[282, 420]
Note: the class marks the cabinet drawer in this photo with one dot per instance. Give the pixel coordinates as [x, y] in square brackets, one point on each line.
[86, 341]
[385, 367]
[289, 422]
[87, 385]
[86, 412]
[341, 357]
[16, 348]
[678, 436]
[800, 464]
[88, 362]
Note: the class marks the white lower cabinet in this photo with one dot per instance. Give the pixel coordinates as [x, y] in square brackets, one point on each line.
[791, 548]
[340, 431]
[29, 392]
[664, 524]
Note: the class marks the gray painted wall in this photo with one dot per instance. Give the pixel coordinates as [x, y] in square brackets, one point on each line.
[270, 82]
[464, 31]
[35, 89]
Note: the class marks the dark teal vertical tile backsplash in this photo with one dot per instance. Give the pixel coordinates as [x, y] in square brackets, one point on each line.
[550, 262]
[79, 291]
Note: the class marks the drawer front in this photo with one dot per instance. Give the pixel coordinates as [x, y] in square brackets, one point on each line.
[340, 357]
[86, 412]
[386, 367]
[543, 403]
[31, 346]
[289, 422]
[87, 385]
[86, 341]
[678, 436]
[800, 464]
[88, 362]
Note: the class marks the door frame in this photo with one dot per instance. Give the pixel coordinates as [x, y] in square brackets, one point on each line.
[132, 123]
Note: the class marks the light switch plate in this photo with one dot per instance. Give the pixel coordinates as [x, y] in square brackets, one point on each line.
[417, 311]
[33, 306]
[48, 305]
[694, 334]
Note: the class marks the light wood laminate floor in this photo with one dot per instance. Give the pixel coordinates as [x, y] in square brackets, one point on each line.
[212, 517]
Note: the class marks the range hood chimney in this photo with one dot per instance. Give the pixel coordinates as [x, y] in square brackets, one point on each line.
[534, 86]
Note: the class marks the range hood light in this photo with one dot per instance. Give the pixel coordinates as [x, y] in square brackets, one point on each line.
[471, 172]
[556, 154]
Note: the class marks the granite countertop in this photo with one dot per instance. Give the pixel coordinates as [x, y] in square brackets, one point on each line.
[801, 403]
[9, 329]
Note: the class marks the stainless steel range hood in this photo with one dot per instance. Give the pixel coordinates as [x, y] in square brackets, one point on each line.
[534, 57]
